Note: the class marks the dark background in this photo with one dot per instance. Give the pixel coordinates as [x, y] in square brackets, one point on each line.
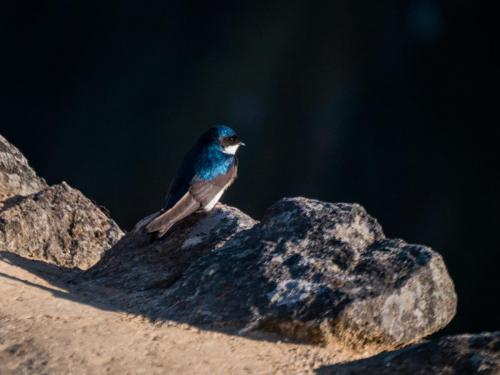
[392, 104]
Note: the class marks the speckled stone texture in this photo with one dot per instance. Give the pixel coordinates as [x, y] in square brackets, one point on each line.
[140, 263]
[58, 225]
[318, 272]
[16, 176]
[451, 355]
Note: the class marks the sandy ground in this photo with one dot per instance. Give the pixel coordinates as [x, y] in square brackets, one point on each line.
[45, 330]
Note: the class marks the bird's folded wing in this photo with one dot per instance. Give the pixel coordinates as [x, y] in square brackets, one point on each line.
[204, 191]
[184, 207]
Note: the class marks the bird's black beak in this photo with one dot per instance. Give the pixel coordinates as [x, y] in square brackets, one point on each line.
[242, 144]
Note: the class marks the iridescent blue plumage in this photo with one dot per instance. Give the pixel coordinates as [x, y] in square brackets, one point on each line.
[207, 170]
[204, 162]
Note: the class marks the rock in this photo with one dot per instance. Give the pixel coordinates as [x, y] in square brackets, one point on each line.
[318, 272]
[58, 225]
[461, 354]
[16, 176]
[321, 273]
[139, 263]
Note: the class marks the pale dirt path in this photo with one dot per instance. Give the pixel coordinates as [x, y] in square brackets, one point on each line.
[41, 332]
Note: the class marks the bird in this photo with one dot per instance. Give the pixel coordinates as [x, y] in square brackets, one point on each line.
[207, 170]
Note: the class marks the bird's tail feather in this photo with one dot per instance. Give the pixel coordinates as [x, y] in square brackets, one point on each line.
[184, 207]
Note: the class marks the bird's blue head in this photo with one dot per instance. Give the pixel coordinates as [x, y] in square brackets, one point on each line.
[223, 131]
[223, 138]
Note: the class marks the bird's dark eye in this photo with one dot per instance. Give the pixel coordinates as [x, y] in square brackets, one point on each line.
[228, 141]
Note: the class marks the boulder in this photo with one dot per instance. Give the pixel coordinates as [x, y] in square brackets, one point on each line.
[16, 176]
[317, 272]
[321, 273]
[461, 354]
[58, 225]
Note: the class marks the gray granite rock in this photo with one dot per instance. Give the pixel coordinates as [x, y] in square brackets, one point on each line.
[138, 262]
[58, 225]
[451, 355]
[318, 272]
[16, 176]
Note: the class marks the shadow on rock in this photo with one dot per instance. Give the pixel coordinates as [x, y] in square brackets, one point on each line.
[460, 354]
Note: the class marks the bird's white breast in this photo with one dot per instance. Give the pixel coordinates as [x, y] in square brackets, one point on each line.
[214, 200]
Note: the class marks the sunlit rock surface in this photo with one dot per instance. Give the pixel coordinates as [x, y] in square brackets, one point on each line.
[318, 272]
[140, 263]
[16, 176]
[58, 225]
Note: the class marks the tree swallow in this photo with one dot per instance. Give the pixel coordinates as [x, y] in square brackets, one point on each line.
[207, 170]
